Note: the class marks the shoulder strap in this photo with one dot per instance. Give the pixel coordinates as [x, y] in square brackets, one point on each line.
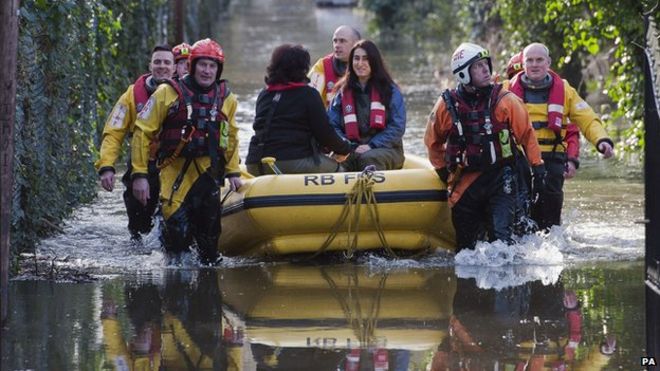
[451, 107]
[266, 130]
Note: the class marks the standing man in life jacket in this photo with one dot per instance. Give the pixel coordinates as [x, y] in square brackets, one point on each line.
[181, 54]
[328, 70]
[572, 138]
[472, 139]
[194, 120]
[119, 125]
[524, 224]
[551, 102]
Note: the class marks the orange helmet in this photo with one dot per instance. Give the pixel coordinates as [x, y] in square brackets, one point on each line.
[181, 51]
[206, 48]
[515, 65]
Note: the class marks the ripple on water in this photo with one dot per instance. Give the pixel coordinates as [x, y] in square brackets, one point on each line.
[95, 238]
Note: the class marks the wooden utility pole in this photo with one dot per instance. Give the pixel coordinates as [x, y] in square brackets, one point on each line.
[8, 49]
[179, 17]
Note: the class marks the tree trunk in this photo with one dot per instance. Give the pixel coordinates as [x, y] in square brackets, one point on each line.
[8, 48]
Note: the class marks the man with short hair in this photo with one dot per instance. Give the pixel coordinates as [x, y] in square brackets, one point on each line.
[194, 121]
[472, 137]
[552, 102]
[328, 70]
[119, 125]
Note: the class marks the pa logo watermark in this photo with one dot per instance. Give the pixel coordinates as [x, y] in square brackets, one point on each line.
[648, 361]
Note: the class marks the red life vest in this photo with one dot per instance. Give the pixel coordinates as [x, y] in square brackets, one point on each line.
[476, 145]
[376, 116]
[555, 100]
[329, 73]
[140, 93]
[206, 126]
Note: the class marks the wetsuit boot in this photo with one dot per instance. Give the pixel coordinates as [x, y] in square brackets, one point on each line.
[140, 217]
[176, 235]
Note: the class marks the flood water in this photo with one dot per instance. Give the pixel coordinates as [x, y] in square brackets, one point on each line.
[573, 298]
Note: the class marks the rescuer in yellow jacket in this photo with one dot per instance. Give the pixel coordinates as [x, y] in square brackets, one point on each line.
[551, 103]
[194, 122]
[328, 70]
[121, 124]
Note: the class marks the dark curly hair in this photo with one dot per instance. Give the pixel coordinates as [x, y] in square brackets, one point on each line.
[288, 63]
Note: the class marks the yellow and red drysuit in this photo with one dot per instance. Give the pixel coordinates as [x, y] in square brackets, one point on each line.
[561, 101]
[119, 125]
[191, 181]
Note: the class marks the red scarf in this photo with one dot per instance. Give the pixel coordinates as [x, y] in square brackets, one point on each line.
[555, 99]
[376, 116]
[286, 86]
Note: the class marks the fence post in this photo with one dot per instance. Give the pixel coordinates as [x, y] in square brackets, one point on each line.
[8, 48]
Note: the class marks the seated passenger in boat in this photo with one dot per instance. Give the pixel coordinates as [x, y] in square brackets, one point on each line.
[368, 110]
[291, 122]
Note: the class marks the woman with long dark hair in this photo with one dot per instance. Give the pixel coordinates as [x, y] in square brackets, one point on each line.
[369, 111]
[291, 121]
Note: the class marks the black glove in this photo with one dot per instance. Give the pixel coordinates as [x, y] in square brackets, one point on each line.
[443, 173]
[538, 181]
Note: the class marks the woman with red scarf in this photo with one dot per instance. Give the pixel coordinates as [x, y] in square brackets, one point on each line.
[290, 121]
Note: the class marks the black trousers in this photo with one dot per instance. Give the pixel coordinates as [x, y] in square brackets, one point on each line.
[487, 208]
[140, 217]
[523, 223]
[197, 218]
[547, 211]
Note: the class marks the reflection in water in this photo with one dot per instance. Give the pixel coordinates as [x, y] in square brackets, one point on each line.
[285, 317]
[527, 327]
[174, 326]
[340, 317]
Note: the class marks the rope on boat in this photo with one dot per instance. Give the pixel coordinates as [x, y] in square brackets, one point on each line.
[362, 192]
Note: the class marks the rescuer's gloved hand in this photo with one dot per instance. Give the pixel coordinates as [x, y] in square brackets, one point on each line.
[538, 181]
[443, 173]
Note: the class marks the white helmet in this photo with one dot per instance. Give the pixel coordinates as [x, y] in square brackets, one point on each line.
[462, 59]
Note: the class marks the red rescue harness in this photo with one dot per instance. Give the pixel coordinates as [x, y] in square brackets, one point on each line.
[477, 139]
[197, 121]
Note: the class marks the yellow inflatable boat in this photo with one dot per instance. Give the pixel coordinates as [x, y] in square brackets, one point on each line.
[307, 213]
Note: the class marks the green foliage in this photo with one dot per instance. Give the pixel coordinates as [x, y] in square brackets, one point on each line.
[52, 171]
[578, 30]
[575, 31]
[75, 58]
[70, 71]
[427, 22]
